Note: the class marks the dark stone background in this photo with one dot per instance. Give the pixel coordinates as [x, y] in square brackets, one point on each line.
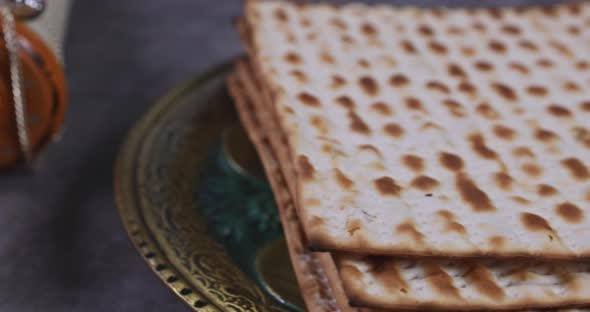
[62, 246]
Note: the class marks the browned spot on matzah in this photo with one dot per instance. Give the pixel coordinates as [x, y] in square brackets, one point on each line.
[456, 70]
[483, 66]
[446, 214]
[347, 39]
[479, 26]
[467, 87]
[353, 225]
[574, 8]
[319, 123]
[337, 82]
[305, 22]
[576, 168]
[559, 111]
[570, 212]
[387, 186]
[529, 45]
[317, 221]
[381, 109]
[545, 63]
[398, 80]
[338, 23]
[534, 222]
[289, 110]
[574, 30]
[505, 91]
[437, 47]
[585, 106]
[583, 65]
[364, 63]
[311, 36]
[345, 102]
[394, 130]
[281, 15]
[439, 86]
[467, 51]
[306, 170]
[570, 86]
[327, 58]
[357, 124]
[368, 147]
[537, 90]
[368, 29]
[454, 108]
[522, 151]
[293, 58]
[425, 30]
[455, 30]
[343, 180]
[408, 46]
[441, 282]
[497, 241]
[430, 125]
[503, 180]
[497, 46]
[409, 228]
[519, 67]
[312, 202]
[532, 169]
[545, 135]
[521, 200]
[487, 111]
[546, 190]
[479, 146]
[369, 85]
[504, 132]
[327, 148]
[561, 48]
[308, 99]
[299, 75]
[588, 196]
[549, 10]
[451, 161]
[438, 13]
[387, 274]
[483, 281]
[414, 104]
[477, 199]
[424, 183]
[291, 37]
[495, 13]
[511, 29]
[454, 226]
[413, 162]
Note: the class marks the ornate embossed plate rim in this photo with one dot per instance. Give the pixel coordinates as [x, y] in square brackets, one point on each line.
[129, 202]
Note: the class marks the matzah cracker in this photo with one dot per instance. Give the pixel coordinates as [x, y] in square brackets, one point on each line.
[525, 278]
[433, 132]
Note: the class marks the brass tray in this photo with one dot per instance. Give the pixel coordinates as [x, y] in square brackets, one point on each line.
[191, 196]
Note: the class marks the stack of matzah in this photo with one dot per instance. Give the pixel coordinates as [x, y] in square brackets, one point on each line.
[425, 159]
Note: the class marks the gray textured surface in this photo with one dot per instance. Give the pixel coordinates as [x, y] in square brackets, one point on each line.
[62, 246]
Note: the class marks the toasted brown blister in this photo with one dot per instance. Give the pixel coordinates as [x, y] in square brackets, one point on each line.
[505, 94]
[410, 284]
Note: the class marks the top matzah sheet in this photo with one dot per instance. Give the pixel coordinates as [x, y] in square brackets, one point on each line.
[411, 284]
[434, 132]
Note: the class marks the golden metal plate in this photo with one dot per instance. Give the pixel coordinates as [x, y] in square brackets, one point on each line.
[156, 175]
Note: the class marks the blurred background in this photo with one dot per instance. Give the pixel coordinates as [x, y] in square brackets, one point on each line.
[62, 245]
